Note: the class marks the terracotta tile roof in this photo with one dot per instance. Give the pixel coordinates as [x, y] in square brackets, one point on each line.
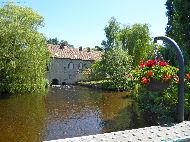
[73, 53]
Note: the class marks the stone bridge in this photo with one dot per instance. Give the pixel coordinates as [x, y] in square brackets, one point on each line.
[166, 133]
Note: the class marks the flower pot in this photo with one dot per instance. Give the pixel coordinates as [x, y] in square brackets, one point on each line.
[157, 85]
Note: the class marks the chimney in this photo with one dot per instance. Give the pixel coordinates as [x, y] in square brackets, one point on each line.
[80, 48]
[88, 49]
[62, 46]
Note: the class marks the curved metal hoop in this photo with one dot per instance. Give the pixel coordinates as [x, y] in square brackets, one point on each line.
[180, 107]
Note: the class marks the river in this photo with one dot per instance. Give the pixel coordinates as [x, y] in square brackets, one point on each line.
[66, 111]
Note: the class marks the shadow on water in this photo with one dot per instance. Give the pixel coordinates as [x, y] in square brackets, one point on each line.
[127, 118]
[4, 96]
[22, 118]
[66, 111]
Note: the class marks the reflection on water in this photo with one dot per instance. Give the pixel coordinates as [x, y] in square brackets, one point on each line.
[66, 111]
[22, 119]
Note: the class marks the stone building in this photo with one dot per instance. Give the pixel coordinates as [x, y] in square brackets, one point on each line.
[68, 63]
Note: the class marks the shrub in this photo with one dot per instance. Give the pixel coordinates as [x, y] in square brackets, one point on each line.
[23, 50]
[162, 106]
[117, 64]
[114, 67]
[95, 72]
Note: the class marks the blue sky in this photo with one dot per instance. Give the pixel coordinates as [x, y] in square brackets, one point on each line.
[82, 22]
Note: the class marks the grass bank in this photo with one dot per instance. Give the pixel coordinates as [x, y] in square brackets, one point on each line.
[101, 84]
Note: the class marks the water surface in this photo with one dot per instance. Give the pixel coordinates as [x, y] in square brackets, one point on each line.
[67, 111]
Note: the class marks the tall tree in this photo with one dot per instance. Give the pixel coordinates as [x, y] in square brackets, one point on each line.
[64, 42]
[111, 31]
[135, 39]
[98, 48]
[178, 14]
[23, 50]
[117, 63]
[53, 41]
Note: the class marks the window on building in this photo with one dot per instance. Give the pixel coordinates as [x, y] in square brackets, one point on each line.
[80, 66]
[71, 66]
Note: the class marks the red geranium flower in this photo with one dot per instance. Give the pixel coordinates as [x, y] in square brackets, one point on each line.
[155, 70]
[162, 63]
[150, 73]
[144, 80]
[188, 76]
[166, 77]
[150, 63]
[141, 65]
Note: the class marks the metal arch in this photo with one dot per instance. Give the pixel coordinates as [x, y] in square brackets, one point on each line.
[180, 106]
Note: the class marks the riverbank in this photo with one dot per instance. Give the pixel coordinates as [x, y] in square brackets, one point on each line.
[91, 84]
[102, 84]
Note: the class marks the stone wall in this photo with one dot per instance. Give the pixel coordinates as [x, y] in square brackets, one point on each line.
[67, 71]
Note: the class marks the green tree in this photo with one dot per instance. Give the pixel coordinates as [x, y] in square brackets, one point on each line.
[116, 63]
[23, 50]
[178, 14]
[64, 42]
[53, 41]
[113, 70]
[97, 71]
[135, 39]
[98, 48]
[111, 31]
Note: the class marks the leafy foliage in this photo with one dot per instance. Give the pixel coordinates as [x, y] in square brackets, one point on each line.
[95, 72]
[23, 50]
[161, 106]
[178, 25]
[114, 67]
[112, 34]
[55, 41]
[97, 48]
[135, 39]
[116, 63]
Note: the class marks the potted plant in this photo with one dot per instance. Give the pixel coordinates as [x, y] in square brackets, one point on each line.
[155, 75]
